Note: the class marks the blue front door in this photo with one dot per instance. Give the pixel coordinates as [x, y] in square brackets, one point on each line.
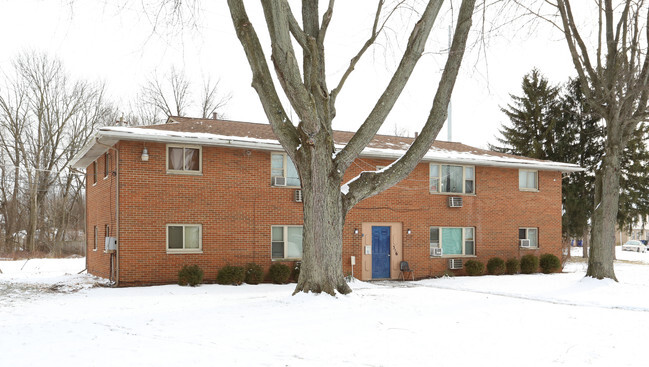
[380, 252]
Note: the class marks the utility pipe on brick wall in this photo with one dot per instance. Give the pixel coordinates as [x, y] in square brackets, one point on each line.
[116, 209]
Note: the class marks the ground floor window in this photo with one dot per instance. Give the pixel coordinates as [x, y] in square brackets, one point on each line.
[452, 240]
[528, 237]
[184, 238]
[94, 245]
[286, 242]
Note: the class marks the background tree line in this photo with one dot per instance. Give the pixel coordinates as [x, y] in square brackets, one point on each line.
[556, 123]
[46, 117]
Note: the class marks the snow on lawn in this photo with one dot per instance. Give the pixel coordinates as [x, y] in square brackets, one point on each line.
[532, 320]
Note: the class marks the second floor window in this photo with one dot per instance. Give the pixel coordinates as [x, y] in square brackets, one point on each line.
[283, 171]
[528, 180]
[106, 165]
[446, 178]
[183, 159]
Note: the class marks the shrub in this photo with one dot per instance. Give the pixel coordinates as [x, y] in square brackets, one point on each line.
[254, 274]
[512, 266]
[296, 270]
[190, 275]
[529, 264]
[496, 266]
[279, 273]
[474, 267]
[549, 263]
[230, 275]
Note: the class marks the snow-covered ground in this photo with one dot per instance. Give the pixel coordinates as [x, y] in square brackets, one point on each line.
[50, 315]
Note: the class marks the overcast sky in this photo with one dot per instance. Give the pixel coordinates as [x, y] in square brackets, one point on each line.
[117, 44]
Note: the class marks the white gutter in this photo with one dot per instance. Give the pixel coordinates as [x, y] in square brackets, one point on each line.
[272, 145]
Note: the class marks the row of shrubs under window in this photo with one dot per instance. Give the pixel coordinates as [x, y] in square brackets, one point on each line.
[252, 273]
[528, 264]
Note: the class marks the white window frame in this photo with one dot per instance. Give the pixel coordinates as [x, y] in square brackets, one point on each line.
[527, 236]
[438, 178]
[536, 179]
[285, 160]
[96, 234]
[184, 171]
[106, 234]
[106, 165]
[94, 173]
[464, 240]
[184, 250]
[284, 241]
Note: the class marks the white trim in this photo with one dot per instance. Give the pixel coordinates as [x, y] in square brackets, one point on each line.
[439, 179]
[530, 189]
[284, 241]
[183, 250]
[285, 161]
[96, 237]
[439, 242]
[115, 134]
[106, 165]
[527, 237]
[183, 171]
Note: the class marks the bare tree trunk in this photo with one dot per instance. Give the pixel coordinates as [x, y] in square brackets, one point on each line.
[322, 236]
[585, 243]
[600, 261]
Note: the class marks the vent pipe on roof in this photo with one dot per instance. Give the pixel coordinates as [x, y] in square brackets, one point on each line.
[416, 134]
[213, 115]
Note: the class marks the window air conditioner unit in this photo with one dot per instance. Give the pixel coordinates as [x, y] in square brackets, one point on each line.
[455, 263]
[455, 202]
[297, 195]
[279, 181]
[110, 244]
[526, 243]
[437, 252]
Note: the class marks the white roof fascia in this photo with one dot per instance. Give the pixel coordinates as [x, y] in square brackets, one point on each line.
[216, 141]
[473, 159]
[165, 136]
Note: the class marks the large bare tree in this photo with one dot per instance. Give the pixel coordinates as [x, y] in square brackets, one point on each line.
[173, 94]
[45, 117]
[309, 141]
[614, 76]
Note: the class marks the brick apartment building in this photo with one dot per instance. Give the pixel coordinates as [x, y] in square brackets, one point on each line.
[216, 193]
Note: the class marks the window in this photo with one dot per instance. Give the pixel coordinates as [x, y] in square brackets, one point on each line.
[184, 159]
[282, 166]
[446, 178]
[528, 180]
[106, 165]
[106, 234]
[531, 234]
[286, 242]
[94, 172]
[94, 245]
[453, 240]
[184, 238]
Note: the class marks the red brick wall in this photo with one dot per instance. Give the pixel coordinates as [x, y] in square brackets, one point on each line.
[236, 205]
[100, 211]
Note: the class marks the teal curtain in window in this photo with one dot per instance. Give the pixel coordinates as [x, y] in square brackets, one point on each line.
[452, 241]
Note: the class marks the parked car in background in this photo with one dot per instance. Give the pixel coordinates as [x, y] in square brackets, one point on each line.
[634, 245]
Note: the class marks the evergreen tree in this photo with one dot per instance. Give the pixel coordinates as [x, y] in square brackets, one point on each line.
[534, 117]
[553, 123]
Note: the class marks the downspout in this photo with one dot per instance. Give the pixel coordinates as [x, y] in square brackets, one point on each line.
[116, 208]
